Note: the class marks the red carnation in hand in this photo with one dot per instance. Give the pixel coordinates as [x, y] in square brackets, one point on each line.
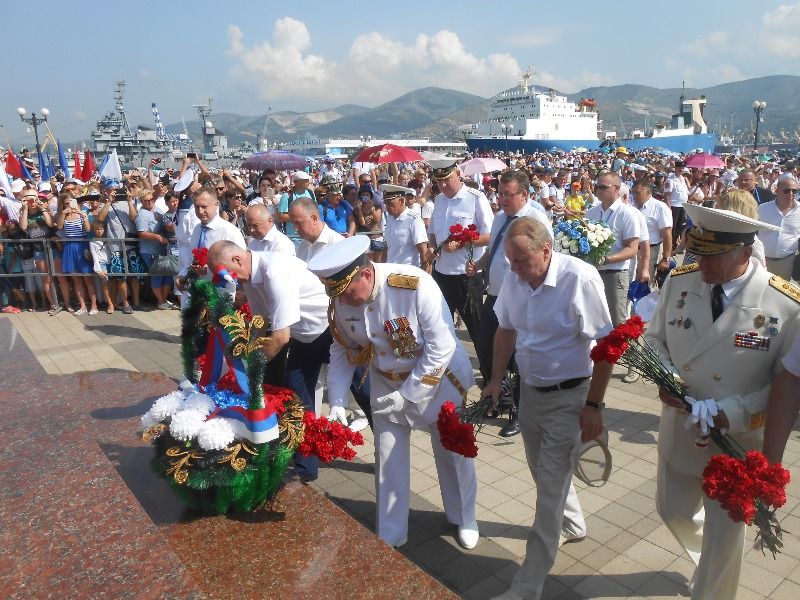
[328, 440]
[200, 256]
[456, 435]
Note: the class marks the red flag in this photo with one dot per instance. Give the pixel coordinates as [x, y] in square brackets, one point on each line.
[88, 167]
[76, 169]
[13, 167]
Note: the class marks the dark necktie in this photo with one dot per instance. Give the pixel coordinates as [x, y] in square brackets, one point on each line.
[497, 241]
[716, 301]
[201, 243]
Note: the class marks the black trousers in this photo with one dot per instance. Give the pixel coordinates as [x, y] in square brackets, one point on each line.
[461, 296]
[678, 224]
[484, 347]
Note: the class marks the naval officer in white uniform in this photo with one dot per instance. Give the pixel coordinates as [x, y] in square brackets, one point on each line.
[723, 325]
[394, 319]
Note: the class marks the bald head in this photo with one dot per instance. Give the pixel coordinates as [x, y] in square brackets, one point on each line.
[259, 221]
[234, 258]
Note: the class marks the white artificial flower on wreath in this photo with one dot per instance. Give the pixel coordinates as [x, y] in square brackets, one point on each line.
[199, 402]
[215, 434]
[573, 247]
[185, 424]
[166, 406]
[592, 237]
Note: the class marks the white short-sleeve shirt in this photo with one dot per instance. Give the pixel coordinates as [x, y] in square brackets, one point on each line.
[791, 362]
[557, 322]
[282, 289]
[274, 241]
[783, 243]
[402, 234]
[623, 222]
[468, 206]
[658, 216]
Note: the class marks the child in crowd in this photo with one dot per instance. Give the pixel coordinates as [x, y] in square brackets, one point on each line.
[101, 259]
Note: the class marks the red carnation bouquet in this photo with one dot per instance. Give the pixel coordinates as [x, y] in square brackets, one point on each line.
[200, 257]
[463, 236]
[328, 440]
[736, 485]
[747, 488]
[458, 425]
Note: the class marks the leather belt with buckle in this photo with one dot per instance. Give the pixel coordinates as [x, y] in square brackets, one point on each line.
[564, 385]
[394, 376]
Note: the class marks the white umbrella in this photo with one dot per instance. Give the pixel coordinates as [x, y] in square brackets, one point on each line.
[482, 165]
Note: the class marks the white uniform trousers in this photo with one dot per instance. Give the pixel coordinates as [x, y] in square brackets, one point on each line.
[550, 428]
[457, 476]
[708, 535]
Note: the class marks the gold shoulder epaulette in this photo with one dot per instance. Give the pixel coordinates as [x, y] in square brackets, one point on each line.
[407, 282]
[784, 287]
[685, 269]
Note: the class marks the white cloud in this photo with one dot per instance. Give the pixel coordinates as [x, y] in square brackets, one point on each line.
[708, 44]
[376, 68]
[780, 35]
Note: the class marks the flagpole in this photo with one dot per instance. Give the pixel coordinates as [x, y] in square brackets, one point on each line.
[5, 135]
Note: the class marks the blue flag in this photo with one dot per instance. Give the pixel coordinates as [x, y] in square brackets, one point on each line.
[43, 169]
[26, 175]
[62, 161]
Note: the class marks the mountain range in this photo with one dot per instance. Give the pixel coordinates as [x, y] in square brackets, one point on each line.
[438, 113]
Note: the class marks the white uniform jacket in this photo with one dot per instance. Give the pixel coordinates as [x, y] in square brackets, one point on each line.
[402, 291]
[707, 356]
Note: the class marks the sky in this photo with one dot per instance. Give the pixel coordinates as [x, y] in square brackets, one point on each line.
[302, 56]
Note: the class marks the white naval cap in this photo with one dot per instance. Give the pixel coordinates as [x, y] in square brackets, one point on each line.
[390, 190]
[442, 168]
[338, 263]
[184, 181]
[716, 231]
[301, 176]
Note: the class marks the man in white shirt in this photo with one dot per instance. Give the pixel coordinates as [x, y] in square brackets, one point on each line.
[458, 204]
[314, 233]
[406, 239]
[622, 220]
[783, 405]
[676, 194]
[209, 229]
[780, 247]
[550, 310]
[293, 300]
[264, 236]
[13, 204]
[659, 225]
[493, 265]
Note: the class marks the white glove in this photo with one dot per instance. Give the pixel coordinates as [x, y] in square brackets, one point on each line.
[386, 405]
[337, 413]
[703, 413]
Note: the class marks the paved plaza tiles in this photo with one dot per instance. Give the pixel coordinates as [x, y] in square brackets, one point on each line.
[628, 553]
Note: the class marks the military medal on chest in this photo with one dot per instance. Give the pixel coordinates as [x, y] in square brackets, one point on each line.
[401, 337]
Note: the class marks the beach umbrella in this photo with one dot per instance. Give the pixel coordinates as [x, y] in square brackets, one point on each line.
[278, 160]
[481, 165]
[387, 153]
[705, 161]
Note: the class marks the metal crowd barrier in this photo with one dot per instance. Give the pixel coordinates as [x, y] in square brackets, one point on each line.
[48, 243]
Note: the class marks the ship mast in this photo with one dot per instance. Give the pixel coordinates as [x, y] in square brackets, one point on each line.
[119, 95]
[525, 79]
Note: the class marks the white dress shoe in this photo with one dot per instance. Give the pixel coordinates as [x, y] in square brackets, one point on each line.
[358, 424]
[468, 535]
[567, 536]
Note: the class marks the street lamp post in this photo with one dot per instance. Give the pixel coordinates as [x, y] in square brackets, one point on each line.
[506, 129]
[35, 121]
[758, 108]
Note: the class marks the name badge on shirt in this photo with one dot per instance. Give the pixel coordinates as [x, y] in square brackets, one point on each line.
[401, 337]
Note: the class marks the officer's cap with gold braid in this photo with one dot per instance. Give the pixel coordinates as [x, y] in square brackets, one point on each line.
[394, 191]
[338, 263]
[717, 231]
[442, 168]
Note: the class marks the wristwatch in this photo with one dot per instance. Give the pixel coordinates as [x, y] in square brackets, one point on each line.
[597, 405]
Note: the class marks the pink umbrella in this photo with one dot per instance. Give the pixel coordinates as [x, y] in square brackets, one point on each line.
[388, 153]
[482, 165]
[705, 161]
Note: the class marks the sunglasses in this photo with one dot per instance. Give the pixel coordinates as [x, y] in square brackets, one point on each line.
[789, 191]
[602, 186]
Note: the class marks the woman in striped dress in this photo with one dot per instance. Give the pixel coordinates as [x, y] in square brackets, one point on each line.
[75, 254]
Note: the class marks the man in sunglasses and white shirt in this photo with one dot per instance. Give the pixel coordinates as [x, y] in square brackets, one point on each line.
[780, 247]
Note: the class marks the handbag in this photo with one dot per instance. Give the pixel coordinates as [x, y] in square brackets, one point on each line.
[165, 264]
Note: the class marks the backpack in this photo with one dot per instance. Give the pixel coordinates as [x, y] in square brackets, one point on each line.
[290, 199]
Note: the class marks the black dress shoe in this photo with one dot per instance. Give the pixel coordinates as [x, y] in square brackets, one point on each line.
[512, 427]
